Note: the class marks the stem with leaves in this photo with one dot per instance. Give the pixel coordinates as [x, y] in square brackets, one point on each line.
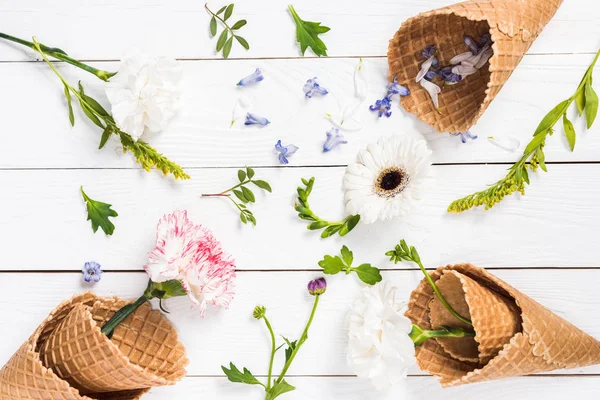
[244, 194]
[419, 335]
[225, 42]
[586, 101]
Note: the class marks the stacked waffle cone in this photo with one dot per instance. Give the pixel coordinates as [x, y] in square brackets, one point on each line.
[513, 26]
[514, 335]
[69, 358]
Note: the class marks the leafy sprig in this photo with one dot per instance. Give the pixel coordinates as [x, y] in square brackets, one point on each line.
[586, 101]
[402, 252]
[307, 34]
[333, 265]
[243, 193]
[144, 154]
[304, 212]
[98, 213]
[225, 40]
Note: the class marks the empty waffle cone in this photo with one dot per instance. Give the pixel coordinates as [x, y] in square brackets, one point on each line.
[26, 377]
[544, 342]
[513, 26]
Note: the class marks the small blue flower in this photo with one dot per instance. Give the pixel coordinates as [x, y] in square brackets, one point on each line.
[251, 79]
[396, 88]
[428, 52]
[430, 75]
[92, 271]
[334, 139]
[448, 76]
[285, 151]
[383, 107]
[312, 87]
[464, 136]
[252, 119]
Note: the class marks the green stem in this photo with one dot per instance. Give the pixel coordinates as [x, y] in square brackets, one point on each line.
[300, 341]
[273, 349]
[219, 18]
[419, 336]
[60, 55]
[123, 313]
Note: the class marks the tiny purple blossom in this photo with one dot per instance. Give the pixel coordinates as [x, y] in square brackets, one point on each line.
[334, 139]
[430, 75]
[449, 77]
[383, 107]
[429, 52]
[285, 151]
[251, 79]
[396, 88]
[317, 287]
[464, 136]
[92, 271]
[252, 119]
[312, 87]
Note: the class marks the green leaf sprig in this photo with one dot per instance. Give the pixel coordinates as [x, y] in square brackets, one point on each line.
[98, 213]
[365, 272]
[144, 154]
[225, 40]
[307, 34]
[243, 194]
[586, 101]
[402, 252]
[304, 212]
[274, 386]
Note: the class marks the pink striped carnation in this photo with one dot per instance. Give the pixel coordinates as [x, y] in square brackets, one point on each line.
[191, 254]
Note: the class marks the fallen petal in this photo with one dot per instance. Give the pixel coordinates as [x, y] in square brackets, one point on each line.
[433, 91]
[485, 56]
[424, 68]
[240, 109]
[253, 78]
[461, 57]
[360, 83]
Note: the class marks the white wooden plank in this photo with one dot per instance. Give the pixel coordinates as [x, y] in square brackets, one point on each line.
[417, 388]
[201, 135]
[558, 213]
[233, 335]
[179, 28]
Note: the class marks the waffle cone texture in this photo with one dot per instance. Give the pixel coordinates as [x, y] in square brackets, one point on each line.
[514, 335]
[69, 358]
[513, 26]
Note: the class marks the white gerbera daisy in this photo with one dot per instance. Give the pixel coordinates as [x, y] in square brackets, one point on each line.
[386, 178]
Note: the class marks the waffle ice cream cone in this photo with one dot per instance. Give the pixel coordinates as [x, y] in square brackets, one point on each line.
[513, 26]
[514, 334]
[64, 354]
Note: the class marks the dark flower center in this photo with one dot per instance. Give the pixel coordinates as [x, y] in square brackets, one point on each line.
[391, 181]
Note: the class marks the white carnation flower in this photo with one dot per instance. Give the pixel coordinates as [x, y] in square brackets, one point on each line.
[145, 93]
[379, 348]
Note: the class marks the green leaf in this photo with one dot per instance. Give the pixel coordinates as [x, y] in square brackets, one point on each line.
[241, 175]
[252, 219]
[93, 103]
[98, 213]
[71, 115]
[213, 26]
[263, 185]
[221, 10]
[552, 117]
[105, 135]
[290, 349]
[248, 194]
[235, 375]
[526, 175]
[307, 34]
[569, 131]
[243, 42]
[278, 389]
[541, 159]
[250, 172]
[221, 40]
[332, 230]
[317, 225]
[535, 143]
[239, 24]
[591, 104]
[227, 47]
[243, 218]
[349, 224]
[240, 196]
[580, 101]
[347, 256]
[228, 12]
[368, 274]
[332, 265]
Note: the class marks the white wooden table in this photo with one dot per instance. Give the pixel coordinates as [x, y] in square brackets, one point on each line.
[545, 243]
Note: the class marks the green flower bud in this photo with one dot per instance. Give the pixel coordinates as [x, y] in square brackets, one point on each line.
[259, 312]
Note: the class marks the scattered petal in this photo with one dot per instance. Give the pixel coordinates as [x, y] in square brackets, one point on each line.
[360, 83]
[464, 70]
[334, 139]
[312, 87]
[240, 109]
[449, 77]
[430, 52]
[285, 151]
[253, 119]
[430, 75]
[396, 88]
[92, 271]
[424, 69]
[472, 44]
[460, 58]
[485, 56]
[508, 143]
[251, 79]
[383, 107]
[464, 136]
[433, 91]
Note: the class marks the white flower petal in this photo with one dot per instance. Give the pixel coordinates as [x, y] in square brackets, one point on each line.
[433, 91]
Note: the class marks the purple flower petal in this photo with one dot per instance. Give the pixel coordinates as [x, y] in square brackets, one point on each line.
[285, 151]
[312, 87]
[251, 79]
[334, 139]
[92, 271]
[252, 119]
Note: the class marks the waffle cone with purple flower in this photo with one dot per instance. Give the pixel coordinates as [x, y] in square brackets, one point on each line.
[513, 26]
[514, 335]
[68, 351]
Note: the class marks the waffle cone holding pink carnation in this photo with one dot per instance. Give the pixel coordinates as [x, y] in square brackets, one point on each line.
[513, 26]
[514, 335]
[68, 357]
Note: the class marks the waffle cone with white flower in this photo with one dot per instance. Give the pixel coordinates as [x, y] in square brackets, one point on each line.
[513, 26]
[514, 335]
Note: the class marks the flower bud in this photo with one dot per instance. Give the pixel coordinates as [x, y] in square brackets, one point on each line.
[317, 287]
[259, 312]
